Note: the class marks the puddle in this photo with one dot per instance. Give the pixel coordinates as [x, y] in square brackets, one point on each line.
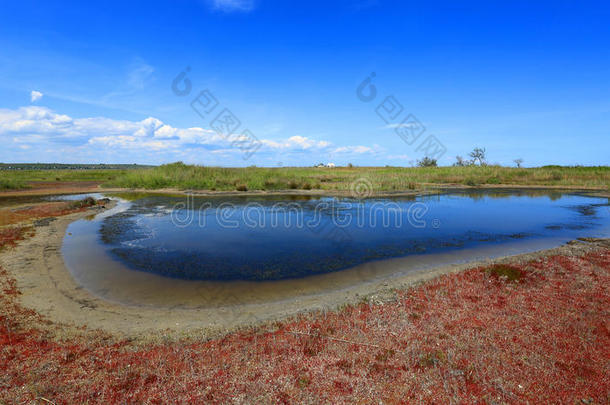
[205, 252]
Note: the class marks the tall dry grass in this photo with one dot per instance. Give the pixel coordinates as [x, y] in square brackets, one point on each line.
[181, 176]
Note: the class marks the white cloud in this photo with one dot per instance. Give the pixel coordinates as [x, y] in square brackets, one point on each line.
[353, 149]
[35, 96]
[42, 127]
[233, 5]
[414, 125]
[296, 142]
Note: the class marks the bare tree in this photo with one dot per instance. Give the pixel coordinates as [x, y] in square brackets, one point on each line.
[518, 162]
[478, 156]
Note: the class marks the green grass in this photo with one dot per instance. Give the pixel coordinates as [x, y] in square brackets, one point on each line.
[187, 177]
[11, 184]
[181, 176]
[25, 176]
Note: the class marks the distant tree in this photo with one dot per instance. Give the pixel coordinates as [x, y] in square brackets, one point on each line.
[518, 162]
[478, 156]
[350, 165]
[459, 161]
[427, 162]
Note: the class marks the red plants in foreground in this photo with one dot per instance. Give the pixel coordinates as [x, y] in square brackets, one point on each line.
[10, 216]
[10, 236]
[475, 336]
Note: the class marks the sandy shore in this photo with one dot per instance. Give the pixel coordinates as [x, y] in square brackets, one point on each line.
[48, 288]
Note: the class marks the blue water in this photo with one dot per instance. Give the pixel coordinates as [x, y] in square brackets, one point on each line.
[260, 239]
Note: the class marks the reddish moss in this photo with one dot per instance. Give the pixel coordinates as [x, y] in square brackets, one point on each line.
[12, 216]
[10, 236]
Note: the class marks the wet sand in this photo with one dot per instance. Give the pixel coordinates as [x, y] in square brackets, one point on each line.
[208, 309]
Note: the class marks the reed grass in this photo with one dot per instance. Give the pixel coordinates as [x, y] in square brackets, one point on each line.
[191, 177]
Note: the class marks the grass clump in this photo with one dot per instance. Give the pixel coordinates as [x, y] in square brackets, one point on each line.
[431, 359]
[11, 184]
[303, 381]
[509, 273]
[86, 202]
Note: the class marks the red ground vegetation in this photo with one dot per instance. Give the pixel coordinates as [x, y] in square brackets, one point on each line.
[541, 336]
[9, 216]
[10, 236]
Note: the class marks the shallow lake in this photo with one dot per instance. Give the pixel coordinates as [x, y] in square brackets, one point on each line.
[155, 242]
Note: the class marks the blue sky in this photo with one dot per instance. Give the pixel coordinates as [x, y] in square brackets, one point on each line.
[92, 81]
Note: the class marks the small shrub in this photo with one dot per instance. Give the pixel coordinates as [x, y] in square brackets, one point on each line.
[470, 182]
[493, 180]
[427, 162]
[431, 359]
[87, 202]
[241, 187]
[292, 184]
[510, 273]
[304, 381]
[411, 186]
[306, 186]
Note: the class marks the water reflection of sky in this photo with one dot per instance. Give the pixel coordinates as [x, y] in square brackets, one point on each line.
[146, 238]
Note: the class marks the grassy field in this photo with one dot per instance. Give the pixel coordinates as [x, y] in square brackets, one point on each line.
[181, 176]
[20, 179]
[11, 184]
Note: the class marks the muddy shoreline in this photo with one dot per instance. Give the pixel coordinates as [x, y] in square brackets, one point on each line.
[431, 188]
[48, 288]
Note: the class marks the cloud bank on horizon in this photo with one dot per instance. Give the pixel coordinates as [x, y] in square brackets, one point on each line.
[39, 130]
